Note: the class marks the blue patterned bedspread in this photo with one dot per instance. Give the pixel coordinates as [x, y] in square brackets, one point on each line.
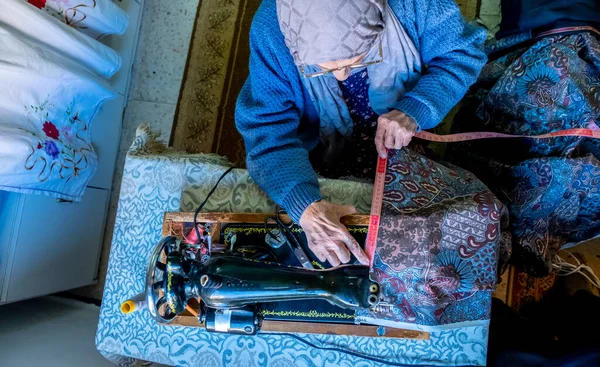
[156, 183]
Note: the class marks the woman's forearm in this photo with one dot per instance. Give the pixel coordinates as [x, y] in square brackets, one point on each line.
[453, 52]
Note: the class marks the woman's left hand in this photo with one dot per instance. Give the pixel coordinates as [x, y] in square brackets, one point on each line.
[395, 130]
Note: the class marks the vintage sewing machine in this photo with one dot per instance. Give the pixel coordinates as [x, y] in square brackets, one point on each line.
[231, 286]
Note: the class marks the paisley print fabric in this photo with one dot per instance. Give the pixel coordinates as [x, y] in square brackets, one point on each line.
[551, 186]
[440, 248]
[155, 181]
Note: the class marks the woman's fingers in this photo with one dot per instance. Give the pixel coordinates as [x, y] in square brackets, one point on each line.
[399, 139]
[318, 251]
[328, 239]
[342, 252]
[406, 136]
[385, 135]
[356, 250]
[395, 130]
[321, 255]
[333, 259]
[389, 140]
[379, 139]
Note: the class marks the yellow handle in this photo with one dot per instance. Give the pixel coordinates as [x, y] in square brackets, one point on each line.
[128, 307]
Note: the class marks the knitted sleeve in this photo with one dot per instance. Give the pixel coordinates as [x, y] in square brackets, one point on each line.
[268, 116]
[452, 51]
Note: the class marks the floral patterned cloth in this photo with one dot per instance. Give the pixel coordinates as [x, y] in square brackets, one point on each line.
[354, 156]
[551, 186]
[48, 102]
[155, 181]
[439, 245]
[94, 18]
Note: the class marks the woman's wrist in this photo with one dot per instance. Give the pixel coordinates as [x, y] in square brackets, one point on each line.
[311, 212]
[300, 198]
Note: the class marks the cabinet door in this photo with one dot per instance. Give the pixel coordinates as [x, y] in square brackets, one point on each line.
[125, 44]
[11, 205]
[106, 135]
[58, 245]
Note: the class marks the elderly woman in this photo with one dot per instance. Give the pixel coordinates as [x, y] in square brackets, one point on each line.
[334, 82]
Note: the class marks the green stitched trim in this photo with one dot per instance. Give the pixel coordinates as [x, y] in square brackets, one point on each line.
[318, 265]
[310, 314]
[245, 230]
[252, 230]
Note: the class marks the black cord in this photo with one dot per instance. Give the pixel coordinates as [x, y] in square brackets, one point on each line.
[340, 350]
[205, 200]
[302, 340]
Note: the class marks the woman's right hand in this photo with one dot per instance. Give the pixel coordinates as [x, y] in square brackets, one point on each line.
[327, 237]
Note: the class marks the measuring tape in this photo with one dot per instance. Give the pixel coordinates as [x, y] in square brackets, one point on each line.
[454, 138]
[379, 185]
[376, 205]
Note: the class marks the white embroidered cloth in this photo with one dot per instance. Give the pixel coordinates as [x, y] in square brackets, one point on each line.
[95, 18]
[53, 81]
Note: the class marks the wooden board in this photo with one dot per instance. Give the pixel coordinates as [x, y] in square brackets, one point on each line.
[173, 226]
[272, 326]
[188, 217]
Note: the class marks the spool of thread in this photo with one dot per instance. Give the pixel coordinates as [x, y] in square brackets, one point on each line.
[134, 304]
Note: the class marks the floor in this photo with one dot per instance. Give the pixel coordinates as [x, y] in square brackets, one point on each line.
[156, 79]
[50, 332]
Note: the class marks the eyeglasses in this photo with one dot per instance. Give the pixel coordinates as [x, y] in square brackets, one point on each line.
[353, 66]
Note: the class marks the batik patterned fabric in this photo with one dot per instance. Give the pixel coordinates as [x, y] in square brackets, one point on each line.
[440, 245]
[155, 181]
[551, 186]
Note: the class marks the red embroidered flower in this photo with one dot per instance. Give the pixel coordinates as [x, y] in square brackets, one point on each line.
[39, 146]
[50, 130]
[40, 4]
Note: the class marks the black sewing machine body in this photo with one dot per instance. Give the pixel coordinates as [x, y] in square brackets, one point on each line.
[232, 287]
[231, 282]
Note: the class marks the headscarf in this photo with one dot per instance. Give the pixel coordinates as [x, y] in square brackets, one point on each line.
[319, 31]
[329, 30]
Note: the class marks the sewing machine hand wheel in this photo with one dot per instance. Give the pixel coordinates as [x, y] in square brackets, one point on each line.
[166, 280]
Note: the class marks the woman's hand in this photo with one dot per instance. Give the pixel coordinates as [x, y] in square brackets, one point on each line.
[327, 237]
[395, 129]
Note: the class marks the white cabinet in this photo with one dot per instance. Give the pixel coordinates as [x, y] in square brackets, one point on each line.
[48, 246]
[106, 134]
[51, 245]
[125, 44]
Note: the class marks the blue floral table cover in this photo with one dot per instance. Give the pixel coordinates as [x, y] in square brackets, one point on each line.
[155, 181]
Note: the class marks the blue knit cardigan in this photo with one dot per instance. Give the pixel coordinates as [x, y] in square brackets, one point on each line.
[280, 125]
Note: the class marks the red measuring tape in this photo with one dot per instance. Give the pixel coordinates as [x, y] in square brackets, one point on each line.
[454, 138]
[377, 202]
[376, 205]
